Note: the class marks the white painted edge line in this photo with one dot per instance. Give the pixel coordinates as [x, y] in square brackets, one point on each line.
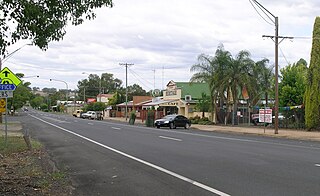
[170, 138]
[117, 128]
[317, 165]
[198, 184]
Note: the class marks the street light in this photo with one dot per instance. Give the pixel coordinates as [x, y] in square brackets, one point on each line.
[11, 54]
[64, 83]
[35, 76]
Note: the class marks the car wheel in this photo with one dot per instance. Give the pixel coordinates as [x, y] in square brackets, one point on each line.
[171, 126]
[187, 126]
[158, 127]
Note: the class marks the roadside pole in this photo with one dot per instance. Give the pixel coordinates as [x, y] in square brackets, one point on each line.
[8, 83]
[6, 123]
[264, 125]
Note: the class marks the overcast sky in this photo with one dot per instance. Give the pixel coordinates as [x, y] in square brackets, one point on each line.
[163, 39]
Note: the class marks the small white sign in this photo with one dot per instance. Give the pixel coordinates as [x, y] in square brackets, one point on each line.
[6, 94]
[265, 115]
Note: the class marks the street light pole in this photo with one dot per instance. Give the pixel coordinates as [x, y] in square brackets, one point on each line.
[100, 88]
[65, 84]
[10, 55]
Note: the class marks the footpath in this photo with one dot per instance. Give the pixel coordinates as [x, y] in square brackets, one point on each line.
[254, 130]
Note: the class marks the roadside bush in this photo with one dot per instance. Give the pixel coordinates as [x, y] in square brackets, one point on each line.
[195, 120]
[150, 118]
[205, 123]
[44, 106]
[201, 121]
[132, 118]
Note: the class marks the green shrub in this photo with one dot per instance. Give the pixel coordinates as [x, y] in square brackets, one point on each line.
[150, 118]
[132, 118]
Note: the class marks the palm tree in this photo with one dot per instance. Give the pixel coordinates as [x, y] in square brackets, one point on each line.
[211, 70]
[238, 76]
[261, 81]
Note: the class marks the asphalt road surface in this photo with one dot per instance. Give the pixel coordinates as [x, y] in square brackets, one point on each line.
[108, 158]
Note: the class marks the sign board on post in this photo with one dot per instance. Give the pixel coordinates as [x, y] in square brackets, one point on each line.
[265, 115]
[2, 105]
[6, 94]
[7, 87]
[8, 77]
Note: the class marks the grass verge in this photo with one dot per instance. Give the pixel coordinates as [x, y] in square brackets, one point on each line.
[29, 172]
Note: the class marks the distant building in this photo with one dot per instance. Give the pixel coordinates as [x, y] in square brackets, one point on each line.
[41, 93]
[180, 98]
[104, 98]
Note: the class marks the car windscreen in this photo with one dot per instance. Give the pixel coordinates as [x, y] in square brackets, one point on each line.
[169, 117]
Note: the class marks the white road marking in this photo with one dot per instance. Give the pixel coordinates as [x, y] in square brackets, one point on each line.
[317, 165]
[170, 138]
[56, 120]
[117, 128]
[198, 184]
[90, 123]
[75, 121]
[220, 137]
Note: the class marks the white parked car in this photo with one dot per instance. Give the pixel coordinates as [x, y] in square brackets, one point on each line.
[89, 115]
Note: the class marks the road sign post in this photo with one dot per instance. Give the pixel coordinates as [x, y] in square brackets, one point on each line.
[265, 116]
[8, 83]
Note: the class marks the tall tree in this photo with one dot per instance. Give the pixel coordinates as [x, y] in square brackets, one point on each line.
[292, 88]
[312, 94]
[237, 76]
[91, 87]
[42, 21]
[293, 84]
[261, 81]
[211, 70]
[135, 90]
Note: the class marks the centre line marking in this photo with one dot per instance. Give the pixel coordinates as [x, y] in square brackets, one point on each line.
[195, 183]
[170, 138]
[317, 165]
[117, 128]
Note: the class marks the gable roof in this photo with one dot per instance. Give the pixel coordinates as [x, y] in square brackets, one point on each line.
[194, 89]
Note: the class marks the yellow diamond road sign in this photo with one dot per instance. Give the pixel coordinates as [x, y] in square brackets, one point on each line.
[8, 77]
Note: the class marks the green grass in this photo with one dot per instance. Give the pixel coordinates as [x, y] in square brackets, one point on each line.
[58, 175]
[16, 144]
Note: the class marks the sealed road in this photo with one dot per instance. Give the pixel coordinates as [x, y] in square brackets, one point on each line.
[118, 159]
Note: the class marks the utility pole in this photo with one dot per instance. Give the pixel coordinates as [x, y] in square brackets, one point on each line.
[126, 65]
[154, 81]
[275, 38]
[100, 88]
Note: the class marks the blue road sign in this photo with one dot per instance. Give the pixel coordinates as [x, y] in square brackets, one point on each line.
[7, 87]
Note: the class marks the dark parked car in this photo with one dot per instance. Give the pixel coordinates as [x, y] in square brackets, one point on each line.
[173, 121]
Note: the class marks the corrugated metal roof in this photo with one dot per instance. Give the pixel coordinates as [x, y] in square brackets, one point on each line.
[194, 89]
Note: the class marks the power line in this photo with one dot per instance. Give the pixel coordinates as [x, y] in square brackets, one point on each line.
[142, 83]
[262, 11]
[284, 55]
